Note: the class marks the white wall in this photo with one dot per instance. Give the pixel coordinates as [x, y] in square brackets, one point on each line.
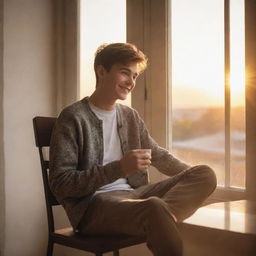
[28, 91]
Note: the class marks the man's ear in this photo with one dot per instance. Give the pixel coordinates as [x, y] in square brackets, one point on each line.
[100, 71]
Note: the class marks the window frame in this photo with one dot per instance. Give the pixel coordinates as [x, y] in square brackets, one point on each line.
[250, 66]
[147, 26]
[146, 23]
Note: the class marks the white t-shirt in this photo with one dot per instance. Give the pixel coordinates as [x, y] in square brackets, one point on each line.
[112, 146]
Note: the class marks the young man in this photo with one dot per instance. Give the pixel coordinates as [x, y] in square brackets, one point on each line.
[99, 156]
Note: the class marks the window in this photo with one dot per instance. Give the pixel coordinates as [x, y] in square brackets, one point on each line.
[101, 21]
[208, 114]
[151, 27]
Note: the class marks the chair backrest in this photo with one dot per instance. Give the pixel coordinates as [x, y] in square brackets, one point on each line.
[43, 127]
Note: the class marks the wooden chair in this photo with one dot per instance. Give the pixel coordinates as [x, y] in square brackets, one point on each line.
[96, 244]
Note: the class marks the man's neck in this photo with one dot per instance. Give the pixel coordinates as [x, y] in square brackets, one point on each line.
[101, 102]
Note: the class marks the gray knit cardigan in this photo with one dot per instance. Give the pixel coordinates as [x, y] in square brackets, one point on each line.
[76, 155]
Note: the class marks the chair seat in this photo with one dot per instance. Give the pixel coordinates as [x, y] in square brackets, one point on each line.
[94, 244]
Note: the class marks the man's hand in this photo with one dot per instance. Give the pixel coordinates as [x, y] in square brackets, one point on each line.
[136, 160]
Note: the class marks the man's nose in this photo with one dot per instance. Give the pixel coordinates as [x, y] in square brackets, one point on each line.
[131, 82]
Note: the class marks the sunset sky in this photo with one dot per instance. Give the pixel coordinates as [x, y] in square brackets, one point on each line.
[198, 52]
[197, 47]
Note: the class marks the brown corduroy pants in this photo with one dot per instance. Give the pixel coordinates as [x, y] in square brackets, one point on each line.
[149, 210]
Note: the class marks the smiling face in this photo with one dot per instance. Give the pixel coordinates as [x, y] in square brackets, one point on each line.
[118, 82]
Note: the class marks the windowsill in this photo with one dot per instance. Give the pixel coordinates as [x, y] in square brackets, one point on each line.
[226, 228]
[222, 194]
[234, 216]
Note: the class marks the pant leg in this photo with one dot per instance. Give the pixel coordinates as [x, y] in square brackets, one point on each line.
[148, 210]
[185, 192]
[120, 212]
[189, 194]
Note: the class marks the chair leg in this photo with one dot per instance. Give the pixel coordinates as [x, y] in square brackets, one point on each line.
[50, 248]
[116, 253]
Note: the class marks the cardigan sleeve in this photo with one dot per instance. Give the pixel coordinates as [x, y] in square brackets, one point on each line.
[162, 159]
[65, 177]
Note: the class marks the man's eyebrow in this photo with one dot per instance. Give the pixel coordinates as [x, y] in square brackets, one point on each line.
[127, 69]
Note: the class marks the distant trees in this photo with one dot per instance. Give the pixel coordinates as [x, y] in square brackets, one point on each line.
[211, 121]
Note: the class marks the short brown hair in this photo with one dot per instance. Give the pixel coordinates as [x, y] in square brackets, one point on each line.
[119, 53]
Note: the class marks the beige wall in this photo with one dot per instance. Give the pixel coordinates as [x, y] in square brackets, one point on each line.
[2, 198]
[28, 90]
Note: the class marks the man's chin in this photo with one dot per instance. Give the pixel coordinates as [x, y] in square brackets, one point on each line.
[123, 97]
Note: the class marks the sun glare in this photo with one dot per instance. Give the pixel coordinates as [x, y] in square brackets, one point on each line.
[198, 53]
[237, 54]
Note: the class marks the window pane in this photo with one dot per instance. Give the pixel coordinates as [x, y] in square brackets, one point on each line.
[198, 83]
[102, 21]
[237, 90]
[198, 102]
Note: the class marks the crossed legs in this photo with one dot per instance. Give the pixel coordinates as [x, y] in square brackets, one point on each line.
[151, 210]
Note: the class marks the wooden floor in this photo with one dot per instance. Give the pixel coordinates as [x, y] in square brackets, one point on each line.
[226, 228]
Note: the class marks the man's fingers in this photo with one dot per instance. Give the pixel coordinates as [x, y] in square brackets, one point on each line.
[144, 161]
[142, 155]
[144, 164]
[136, 160]
[146, 155]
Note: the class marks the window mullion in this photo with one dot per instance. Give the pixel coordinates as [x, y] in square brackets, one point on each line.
[227, 91]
